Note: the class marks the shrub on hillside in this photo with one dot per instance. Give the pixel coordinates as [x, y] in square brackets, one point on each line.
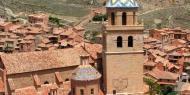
[100, 17]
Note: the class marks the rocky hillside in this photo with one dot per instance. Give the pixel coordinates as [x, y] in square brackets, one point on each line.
[168, 12]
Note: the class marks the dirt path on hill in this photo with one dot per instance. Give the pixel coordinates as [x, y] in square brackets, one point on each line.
[162, 8]
[85, 20]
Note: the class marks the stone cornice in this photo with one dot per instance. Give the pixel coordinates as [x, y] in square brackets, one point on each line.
[128, 52]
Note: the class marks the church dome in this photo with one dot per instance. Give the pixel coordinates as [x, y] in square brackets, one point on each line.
[85, 73]
[122, 4]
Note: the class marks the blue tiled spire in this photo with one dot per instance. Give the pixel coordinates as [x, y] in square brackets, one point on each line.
[122, 4]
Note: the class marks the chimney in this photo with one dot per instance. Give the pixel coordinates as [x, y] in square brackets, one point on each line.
[84, 59]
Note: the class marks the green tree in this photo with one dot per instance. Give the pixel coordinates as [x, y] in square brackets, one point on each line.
[154, 88]
[91, 35]
[100, 17]
[56, 21]
[168, 90]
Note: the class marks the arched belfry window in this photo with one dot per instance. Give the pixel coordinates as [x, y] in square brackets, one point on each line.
[124, 18]
[112, 18]
[114, 92]
[119, 41]
[130, 41]
[46, 82]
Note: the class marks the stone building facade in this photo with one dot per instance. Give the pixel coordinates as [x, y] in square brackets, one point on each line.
[39, 18]
[123, 49]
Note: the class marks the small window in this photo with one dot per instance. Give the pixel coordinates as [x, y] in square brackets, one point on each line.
[73, 91]
[114, 92]
[134, 17]
[184, 80]
[81, 92]
[119, 41]
[66, 80]
[124, 18]
[112, 18]
[92, 91]
[46, 82]
[130, 41]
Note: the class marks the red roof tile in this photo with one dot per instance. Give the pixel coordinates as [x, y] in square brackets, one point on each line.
[26, 91]
[34, 61]
[150, 63]
[158, 74]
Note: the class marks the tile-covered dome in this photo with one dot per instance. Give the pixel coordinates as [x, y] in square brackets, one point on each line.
[85, 73]
[122, 4]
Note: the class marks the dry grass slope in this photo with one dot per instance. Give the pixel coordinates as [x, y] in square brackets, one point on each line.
[57, 7]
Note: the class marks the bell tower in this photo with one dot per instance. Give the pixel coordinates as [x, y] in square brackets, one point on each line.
[123, 48]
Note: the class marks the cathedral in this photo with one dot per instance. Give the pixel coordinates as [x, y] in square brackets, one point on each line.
[123, 49]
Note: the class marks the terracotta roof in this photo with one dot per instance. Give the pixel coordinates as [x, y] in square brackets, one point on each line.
[10, 40]
[147, 46]
[158, 52]
[150, 63]
[29, 37]
[92, 49]
[158, 74]
[164, 61]
[40, 60]
[74, 36]
[170, 66]
[15, 26]
[5, 23]
[57, 31]
[181, 41]
[2, 40]
[175, 53]
[49, 86]
[52, 36]
[186, 30]
[67, 32]
[45, 40]
[26, 91]
[166, 83]
[33, 30]
[79, 28]
[5, 33]
[13, 36]
[24, 41]
[170, 48]
[42, 45]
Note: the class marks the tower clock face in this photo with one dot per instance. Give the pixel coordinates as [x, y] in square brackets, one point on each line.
[120, 84]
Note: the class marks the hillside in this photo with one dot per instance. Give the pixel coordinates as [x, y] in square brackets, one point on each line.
[171, 13]
[74, 10]
[57, 7]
